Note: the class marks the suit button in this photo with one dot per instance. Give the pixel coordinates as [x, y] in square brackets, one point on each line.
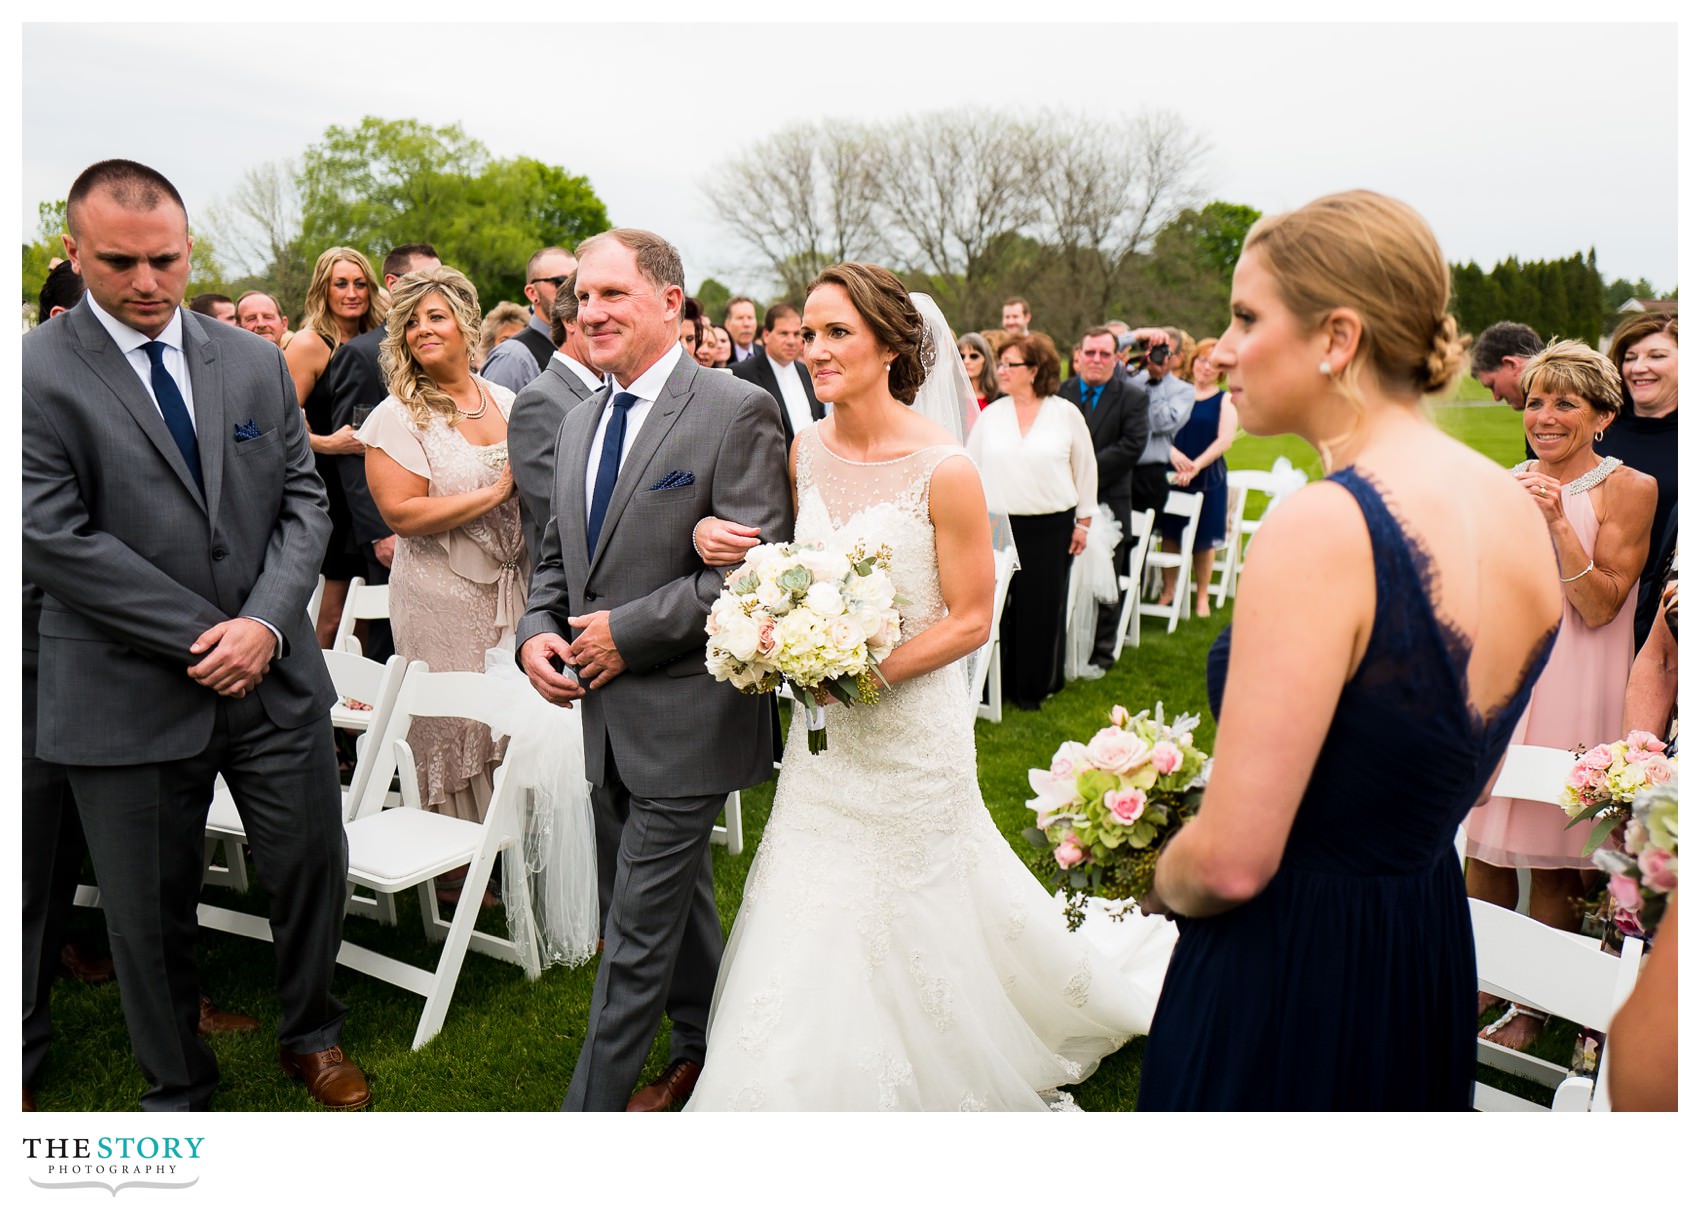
[590, 595]
[219, 553]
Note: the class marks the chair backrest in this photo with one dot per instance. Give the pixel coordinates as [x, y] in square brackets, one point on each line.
[1187, 506]
[362, 679]
[363, 602]
[1534, 772]
[980, 660]
[314, 599]
[1139, 528]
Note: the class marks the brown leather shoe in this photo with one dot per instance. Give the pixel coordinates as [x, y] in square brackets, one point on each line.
[216, 1020]
[29, 1100]
[91, 969]
[670, 1091]
[331, 1078]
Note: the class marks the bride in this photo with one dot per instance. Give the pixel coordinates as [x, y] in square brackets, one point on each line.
[892, 952]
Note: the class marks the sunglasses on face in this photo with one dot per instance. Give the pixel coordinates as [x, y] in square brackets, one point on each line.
[557, 281]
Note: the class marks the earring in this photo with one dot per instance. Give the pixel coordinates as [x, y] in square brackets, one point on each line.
[1599, 435]
[1325, 369]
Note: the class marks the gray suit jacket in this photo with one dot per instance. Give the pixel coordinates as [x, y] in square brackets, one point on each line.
[674, 731]
[533, 422]
[135, 563]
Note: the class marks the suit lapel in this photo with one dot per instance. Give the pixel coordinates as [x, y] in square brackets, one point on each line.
[109, 365]
[675, 394]
[570, 514]
[206, 378]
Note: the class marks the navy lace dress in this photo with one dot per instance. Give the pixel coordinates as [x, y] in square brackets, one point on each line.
[1350, 981]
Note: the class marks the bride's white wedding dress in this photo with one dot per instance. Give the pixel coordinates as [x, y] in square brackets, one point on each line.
[891, 951]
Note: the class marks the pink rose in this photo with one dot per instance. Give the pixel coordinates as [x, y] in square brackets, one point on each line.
[1658, 770]
[1629, 923]
[1658, 870]
[764, 636]
[1113, 750]
[1125, 806]
[1626, 891]
[1644, 740]
[1068, 852]
[1598, 758]
[1069, 761]
[1119, 716]
[1166, 757]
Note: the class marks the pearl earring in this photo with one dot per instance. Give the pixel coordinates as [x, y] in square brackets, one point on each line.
[1326, 368]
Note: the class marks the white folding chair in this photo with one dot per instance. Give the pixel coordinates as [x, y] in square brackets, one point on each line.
[1225, 567]
[1555, 971]
[1139, 531]
[730, 834]
[363, 602]
[1276, 488]
[1529, 772]
[985, 673]
[1185, 506]
[313, 602]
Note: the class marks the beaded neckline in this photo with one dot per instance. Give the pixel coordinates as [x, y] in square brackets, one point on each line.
[1586, 480]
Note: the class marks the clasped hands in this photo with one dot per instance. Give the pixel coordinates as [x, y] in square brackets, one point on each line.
[593, 655]
[235, 655]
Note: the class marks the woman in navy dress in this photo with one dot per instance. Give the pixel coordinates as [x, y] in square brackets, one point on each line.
[1385, 641]
[1198, 454]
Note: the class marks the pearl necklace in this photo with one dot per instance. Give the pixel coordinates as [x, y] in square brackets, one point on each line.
[478, 412]
[1586, 480]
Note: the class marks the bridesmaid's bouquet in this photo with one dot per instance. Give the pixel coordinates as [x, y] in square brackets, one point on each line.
[1606, 779]
[808, 614]
[1642, 877]
[1105, 807]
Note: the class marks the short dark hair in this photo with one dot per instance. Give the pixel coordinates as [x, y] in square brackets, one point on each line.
[1040, 352]
[401, 258]
[1018, 301]
[1505, 339]
[565, 311]
[203, 303]
[1097, 330]
[531, 266]
[63, 288]
[657, 260]
[135, 187]
[733, 302]
[776, 313]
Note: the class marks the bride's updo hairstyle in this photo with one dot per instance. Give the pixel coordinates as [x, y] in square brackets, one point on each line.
[883, 304]
[1375, 255]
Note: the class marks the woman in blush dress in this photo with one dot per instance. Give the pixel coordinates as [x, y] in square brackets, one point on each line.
[1599, 513]
[342, 302]
[437, 461]
[1384, 643]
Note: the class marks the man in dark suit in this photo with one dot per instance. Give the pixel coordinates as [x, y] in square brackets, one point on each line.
[666, 444]
[777, 367]
[356, 385]
[175, 524]
[535, 419]
[1116, 414]
[740, 324]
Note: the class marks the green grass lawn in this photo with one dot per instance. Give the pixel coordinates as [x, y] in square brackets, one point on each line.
[509, 1044]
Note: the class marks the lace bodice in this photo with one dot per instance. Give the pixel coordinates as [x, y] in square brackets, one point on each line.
[879, 503]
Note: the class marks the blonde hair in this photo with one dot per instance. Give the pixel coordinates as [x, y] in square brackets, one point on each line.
[407, 380]
[1201, 350]
[316, 312]
[1377, 256]
[1575, 368]
[503, 314]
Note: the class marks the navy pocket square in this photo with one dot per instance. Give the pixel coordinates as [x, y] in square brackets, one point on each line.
[673, 480]
[247, 431]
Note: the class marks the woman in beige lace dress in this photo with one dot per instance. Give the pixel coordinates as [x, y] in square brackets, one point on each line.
[437, 463]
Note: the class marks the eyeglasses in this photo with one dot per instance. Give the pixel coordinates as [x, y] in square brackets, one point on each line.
[557, 281]
[1010, 366]
[1096, 354]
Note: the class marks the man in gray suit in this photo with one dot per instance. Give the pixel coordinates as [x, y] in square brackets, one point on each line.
[667, 443]
[173, 520]
[567, 381]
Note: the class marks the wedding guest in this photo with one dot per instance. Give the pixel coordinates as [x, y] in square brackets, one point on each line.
[978, 361]
[723, 342]
[260, 314]
[505, 320]
[521, 358]
[1497, 358]
[1171, 400]
[437, 461]
[1200, 467]
[1016, 316]
[1035, 456]
[1324, 958]
[1643, 349]
[1597, 513]
[220, 307]
[690, 326]
[708, 352]
[342, 302]
[741, 325]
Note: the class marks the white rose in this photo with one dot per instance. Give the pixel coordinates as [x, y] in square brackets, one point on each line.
[825, 564]
[739, 636]
[771, 594]
[824, 600]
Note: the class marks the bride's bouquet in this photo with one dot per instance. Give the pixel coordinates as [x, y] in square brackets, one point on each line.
[1606, 779]
[1641, 878]
[810, 615]
[1105, 807]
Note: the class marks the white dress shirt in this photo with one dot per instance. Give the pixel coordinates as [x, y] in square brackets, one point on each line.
[646, 387]
[131, 342]
[586, 376]
[1049, 469]
[794, 398]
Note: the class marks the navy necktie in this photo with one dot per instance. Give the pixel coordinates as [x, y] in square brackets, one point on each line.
[175, 411]
[608, 468]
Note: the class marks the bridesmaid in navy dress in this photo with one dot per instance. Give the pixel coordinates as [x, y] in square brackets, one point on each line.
[1385, 643]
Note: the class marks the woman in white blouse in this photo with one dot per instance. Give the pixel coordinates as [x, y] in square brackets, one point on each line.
[1035, 456]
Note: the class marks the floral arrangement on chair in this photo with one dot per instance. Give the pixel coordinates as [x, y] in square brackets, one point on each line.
[810, 615]
[1105, 807]
[1606, 779]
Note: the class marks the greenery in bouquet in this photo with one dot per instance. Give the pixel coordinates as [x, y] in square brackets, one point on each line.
[1641, 878]
[1606, 779]
[1105, 807]
[808, 614]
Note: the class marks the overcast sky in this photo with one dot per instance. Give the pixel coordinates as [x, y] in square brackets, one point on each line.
[1528, 140]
